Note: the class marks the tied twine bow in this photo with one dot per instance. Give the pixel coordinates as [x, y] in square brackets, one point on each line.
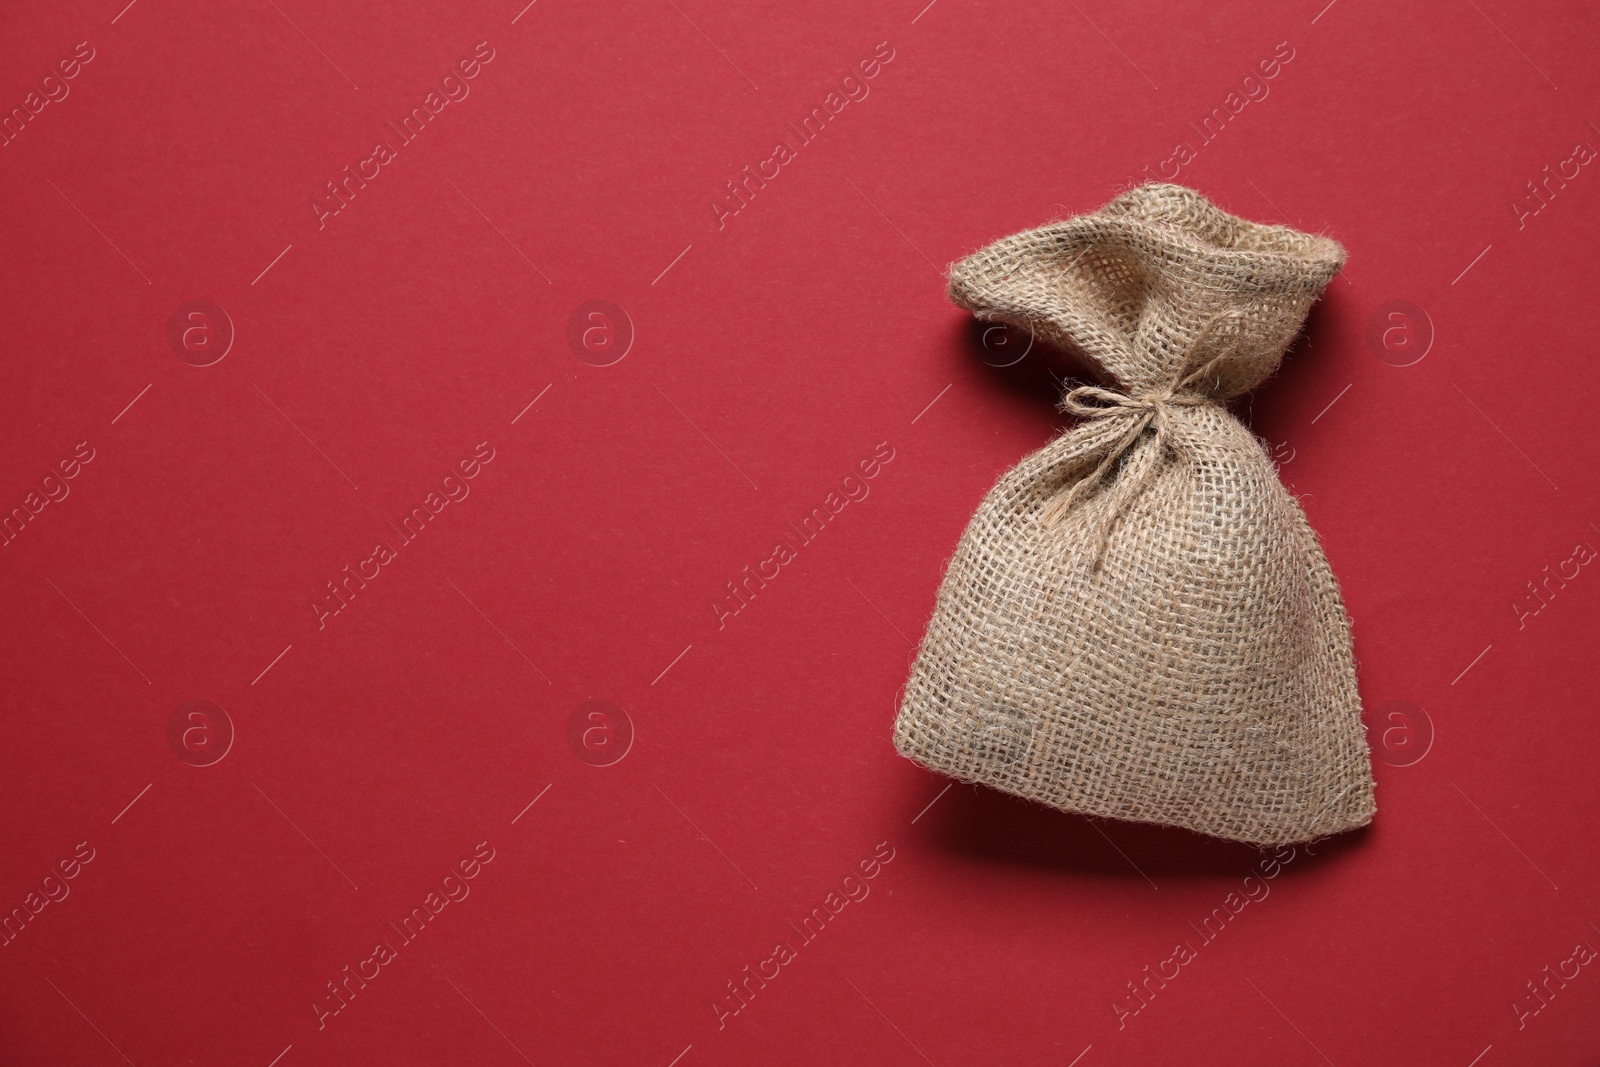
[1144, 411]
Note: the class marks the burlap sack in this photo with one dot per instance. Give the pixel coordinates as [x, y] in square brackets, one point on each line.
[1139, 622]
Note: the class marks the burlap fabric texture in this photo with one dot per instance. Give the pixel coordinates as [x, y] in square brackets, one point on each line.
[1139, 622]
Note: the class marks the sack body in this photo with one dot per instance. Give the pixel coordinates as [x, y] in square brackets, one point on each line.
[1139, 622]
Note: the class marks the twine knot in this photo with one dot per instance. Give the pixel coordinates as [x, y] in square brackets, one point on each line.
[1152, 411]
[1113, 403]
[1144, 411]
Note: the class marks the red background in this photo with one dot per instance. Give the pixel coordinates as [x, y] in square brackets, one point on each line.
[770, 355]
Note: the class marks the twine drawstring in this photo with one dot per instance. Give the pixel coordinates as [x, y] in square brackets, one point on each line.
[1146, 411]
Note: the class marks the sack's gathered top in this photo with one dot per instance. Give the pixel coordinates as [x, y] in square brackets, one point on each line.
[1138, 621]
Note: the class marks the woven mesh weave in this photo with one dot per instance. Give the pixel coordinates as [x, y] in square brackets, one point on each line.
[1171, 647]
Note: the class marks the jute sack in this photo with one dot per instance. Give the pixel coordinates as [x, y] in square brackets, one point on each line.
[1139, 622]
